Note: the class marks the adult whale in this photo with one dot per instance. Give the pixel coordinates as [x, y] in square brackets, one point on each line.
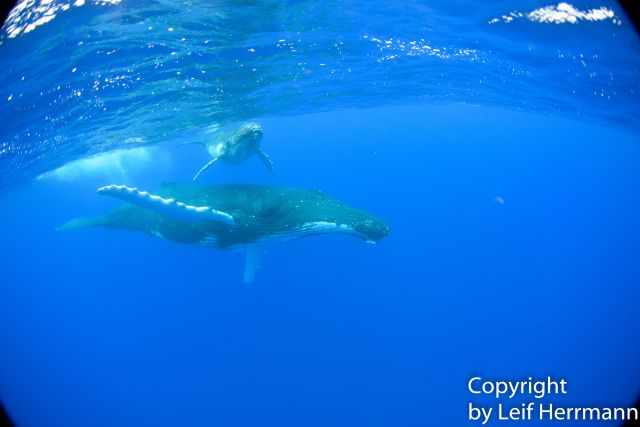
[228, 216]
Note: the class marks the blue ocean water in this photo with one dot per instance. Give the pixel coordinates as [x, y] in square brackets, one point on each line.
[498, 141]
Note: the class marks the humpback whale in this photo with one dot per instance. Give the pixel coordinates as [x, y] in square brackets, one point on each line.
[237, 147]
[232, 216]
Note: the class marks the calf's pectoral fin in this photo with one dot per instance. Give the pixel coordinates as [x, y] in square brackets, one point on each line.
[205, 167]
[266, 160]
[166, 206]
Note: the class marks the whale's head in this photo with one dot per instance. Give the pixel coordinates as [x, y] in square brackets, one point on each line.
[371, 229]
[250, 133]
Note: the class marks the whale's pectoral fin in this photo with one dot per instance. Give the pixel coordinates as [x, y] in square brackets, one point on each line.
[205, 167]
[80, 223]
[166, 206]
[266, 160]
[251, 263]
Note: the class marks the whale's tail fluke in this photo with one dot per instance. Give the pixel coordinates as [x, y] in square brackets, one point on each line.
[80, 223]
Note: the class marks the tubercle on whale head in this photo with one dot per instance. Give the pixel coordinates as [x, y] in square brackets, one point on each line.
[372, 230]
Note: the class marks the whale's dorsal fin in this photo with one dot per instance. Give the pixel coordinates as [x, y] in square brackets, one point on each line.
[166, 206]
[251, 263]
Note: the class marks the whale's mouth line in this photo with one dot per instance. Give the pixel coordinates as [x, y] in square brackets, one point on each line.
[307, 229]
[316, 228]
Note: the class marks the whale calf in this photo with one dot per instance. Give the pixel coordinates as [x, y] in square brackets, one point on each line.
[231, 216]
[237, 147]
